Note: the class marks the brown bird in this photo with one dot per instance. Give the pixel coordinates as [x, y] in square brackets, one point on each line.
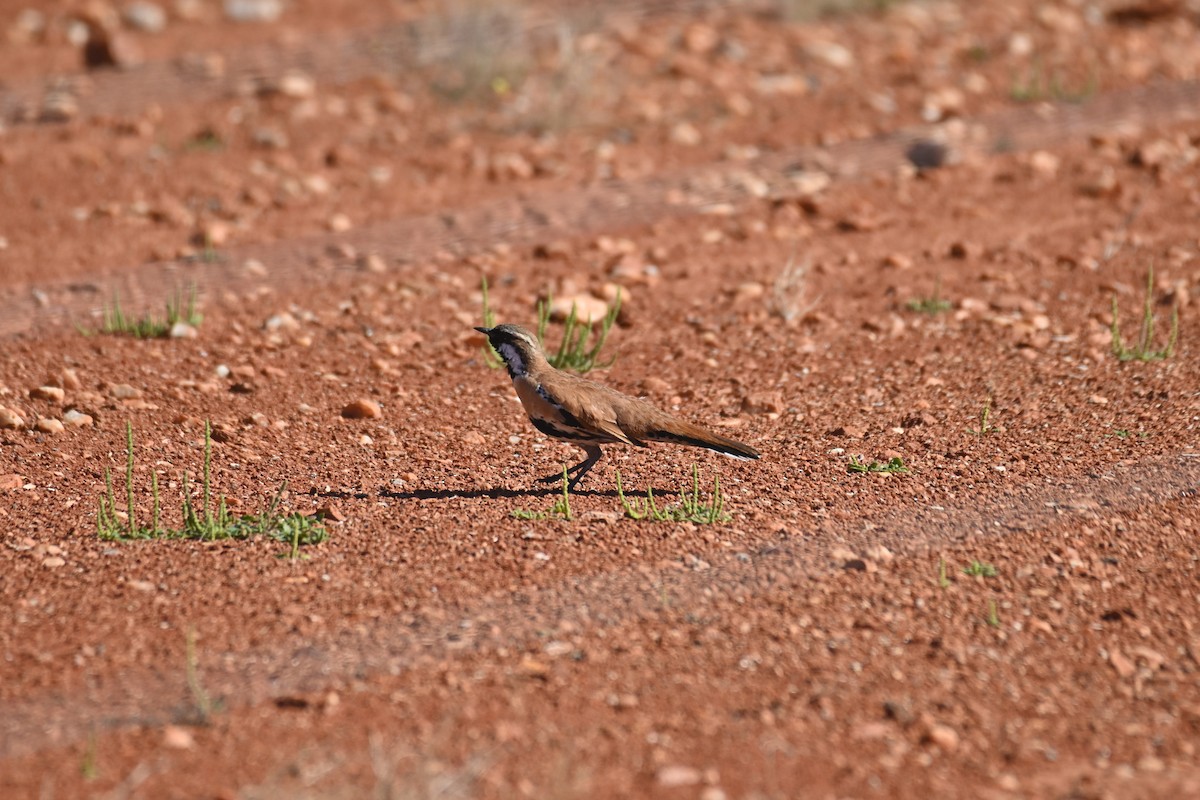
[588, 414]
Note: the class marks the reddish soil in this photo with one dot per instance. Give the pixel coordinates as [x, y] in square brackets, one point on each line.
[743, 179]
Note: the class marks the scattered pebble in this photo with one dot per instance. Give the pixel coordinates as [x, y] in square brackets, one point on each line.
[586, 307]
[10, 419]
[123, 391]
[52, 393]
[77, 419]
[144, 16]
[362, 409]
[53, 562]
[177, 738]
[253, 10]
[943, 736]
[48, 425]
[677, 775]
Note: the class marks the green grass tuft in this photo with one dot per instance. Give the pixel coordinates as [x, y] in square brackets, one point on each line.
[932, 305]
[579, 350]
[581, 345]
[211, 521]
[893, 466]
[560, 510]
[179, 309]
[985, 425]
[980, 569]
[691, 508]
[1144, 349]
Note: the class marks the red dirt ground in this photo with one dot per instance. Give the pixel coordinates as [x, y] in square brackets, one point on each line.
[740, 174]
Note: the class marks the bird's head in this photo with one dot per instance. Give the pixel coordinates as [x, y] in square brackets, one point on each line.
[517, 346]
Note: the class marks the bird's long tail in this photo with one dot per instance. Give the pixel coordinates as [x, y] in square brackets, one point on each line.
[679, 432]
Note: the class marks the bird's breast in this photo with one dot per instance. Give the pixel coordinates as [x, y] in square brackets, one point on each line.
[534, 401]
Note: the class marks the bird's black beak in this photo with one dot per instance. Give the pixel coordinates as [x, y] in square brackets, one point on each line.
[484, 331]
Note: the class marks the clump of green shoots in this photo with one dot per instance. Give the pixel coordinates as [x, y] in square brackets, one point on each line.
[561, 508]
[211, 521]
[985, 425]
[980, 569]
[932, 305]
[1144, 349]
[893, 466]
[943, 580]
[574, 352]
[993, 615]
[581, 345]
[691, 507]
[180, 308]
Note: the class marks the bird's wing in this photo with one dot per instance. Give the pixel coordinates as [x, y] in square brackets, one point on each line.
[593, 406]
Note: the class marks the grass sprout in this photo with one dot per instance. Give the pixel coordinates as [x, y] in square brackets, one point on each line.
[203, 706]
[932, 305]
[691, 508]
[943, 580]
[985, 426]
[893, 466]
[993, 615]
[561, 508]
[1144, 349]
[210, 521]
[579, 350]
[180, 308]
[980, 569]
[581, 345]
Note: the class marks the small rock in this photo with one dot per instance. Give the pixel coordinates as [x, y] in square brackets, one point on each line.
[339, 223]
[763, 403]
[677, 775]
[144, 16]
[123, 391]
[141, 586]
[831, 53]
[1044, 163]
[749, 290]
[182, 330]
[653, 385]
[1121, 663]
[685, 133]
[293, 84]
[927, 154]
[879, 553]
[77, 419]
[897, 261]
[700, 38]
[177, 738]
[10, 419]
[110, 49]
[11, 482]
[1098, 400]
[253, 10]
[53, 562]
[964, 250]
[850, 431]
[68, 379]
[942, 103]
[587, 308]
[362, 409]
[943, 736]
[52, 393]
[48, 425]
[270, 138]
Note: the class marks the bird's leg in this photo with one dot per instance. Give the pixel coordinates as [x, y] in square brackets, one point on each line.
[580, 469]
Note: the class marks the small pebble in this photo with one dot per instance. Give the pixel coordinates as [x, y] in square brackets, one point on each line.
[48, 425]
[362, 409]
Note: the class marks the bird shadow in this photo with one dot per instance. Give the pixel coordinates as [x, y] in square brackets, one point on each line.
[495, 493]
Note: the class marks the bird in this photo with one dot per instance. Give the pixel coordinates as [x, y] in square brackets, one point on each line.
[589, 414]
